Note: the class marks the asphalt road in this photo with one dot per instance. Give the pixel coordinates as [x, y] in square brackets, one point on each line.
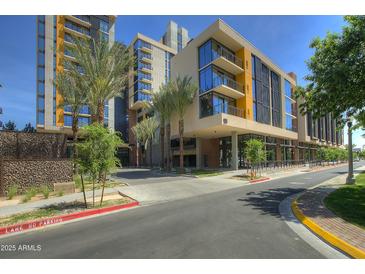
[240, 223]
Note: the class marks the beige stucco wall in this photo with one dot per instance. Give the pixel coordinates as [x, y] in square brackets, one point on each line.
[186, 63]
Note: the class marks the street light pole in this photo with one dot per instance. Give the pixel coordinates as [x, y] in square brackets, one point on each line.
[350, 177]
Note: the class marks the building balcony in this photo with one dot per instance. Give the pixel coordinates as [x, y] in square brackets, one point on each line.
[144, 68]
[139, 99]
[228, 109]
[79, 19]
[227, 61]
[228, 87]
[146, 59]
[147, 80]
[76, 32]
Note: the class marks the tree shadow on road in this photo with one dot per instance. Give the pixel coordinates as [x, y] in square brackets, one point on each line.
[267, 201]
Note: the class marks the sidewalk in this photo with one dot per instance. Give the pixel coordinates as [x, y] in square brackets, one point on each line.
[310, 210]
[25, 207]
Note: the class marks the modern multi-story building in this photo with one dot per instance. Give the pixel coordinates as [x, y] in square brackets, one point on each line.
[151, 70]
[55, 35]
[242, 95]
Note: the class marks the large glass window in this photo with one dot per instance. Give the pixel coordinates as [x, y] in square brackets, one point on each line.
[104, 26]
[40, 88]
[40, 117]
[205, 54]
[213, 103]
[75, 27]
[290, 108]
[41, 43]
[206, 79]
[40, 103]
[140, 85]
[40, 72]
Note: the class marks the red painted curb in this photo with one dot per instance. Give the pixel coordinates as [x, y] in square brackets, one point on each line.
[259, 180]
[62, 218]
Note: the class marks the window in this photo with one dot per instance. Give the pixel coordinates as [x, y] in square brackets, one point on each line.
[139, 86]
[276, 99]
[40, 58]
[75, 27]
[104, 36]
[40, 118]
[179, 41]
[254, 97]
[41, 28]
[40, 88]
[41, 43]
[40, 103]
[290, 108]
[104, 26]
[40, 72]
[205, 54]
[69, 38]
[205, 79]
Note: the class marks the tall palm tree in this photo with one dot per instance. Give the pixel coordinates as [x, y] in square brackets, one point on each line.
[145, 132]
[162, 104]
[183, 93]
[72, 88]
[105, 70]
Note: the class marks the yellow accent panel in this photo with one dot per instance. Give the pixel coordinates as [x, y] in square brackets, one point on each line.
[245, 79]
[59, 66]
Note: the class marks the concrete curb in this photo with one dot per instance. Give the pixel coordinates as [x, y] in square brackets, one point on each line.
[259, 180]
[326, 235]
[62, 218]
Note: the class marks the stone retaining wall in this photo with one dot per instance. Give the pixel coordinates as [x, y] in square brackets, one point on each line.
[34, 173]
[22, 145]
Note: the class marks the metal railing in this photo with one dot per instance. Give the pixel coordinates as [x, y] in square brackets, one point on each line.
[224, 80]
[139, 96]
[70, 25]
[228, 109]
[222, 52]
[84, 18]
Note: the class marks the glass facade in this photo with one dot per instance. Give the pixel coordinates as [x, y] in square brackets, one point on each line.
[290, 108]
[40, 69]
[212, 50]
[211, 77]
[73, 26]
[213, 103]
[168, 57]
[83, 121]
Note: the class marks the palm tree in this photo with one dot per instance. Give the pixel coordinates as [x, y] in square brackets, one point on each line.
[72, 88]
[105, 69]
[162, 104]
[145, 132]
[183, 94]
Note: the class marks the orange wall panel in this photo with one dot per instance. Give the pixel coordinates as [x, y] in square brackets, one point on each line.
[59, 66]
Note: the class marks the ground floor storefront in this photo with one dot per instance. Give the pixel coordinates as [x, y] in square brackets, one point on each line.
[227, 152]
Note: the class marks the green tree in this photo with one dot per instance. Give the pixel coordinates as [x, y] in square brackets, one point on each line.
[10, 125]
[97, 156]
[337, 73]
[145, 132]
[29, 128]
[183, 96]
[74, 92]
[162, 103]
[254, 154]
[105, 71]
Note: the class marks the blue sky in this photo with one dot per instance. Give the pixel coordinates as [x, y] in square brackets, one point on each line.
[284, 39]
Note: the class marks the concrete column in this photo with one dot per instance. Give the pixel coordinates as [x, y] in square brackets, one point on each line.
[198, 152]
[234, 150]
